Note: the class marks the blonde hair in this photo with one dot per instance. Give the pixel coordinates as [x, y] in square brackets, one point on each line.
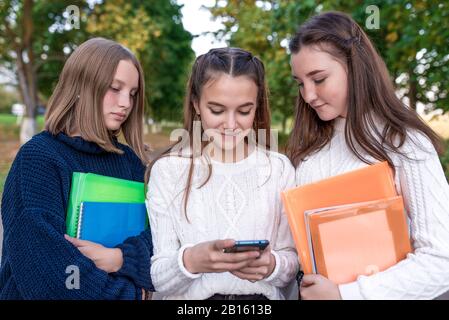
[77, 101]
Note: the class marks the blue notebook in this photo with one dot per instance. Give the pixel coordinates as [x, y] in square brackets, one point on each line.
[110, 223]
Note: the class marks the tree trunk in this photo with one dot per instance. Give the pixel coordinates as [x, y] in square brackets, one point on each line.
[27, 75]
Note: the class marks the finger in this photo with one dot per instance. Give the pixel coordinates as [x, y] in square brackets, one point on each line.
[309, 279]
[247, 256]
[253, 277]
[223, 244]
[263, 260]
[250, 270]
[76, 242]
[223, 266]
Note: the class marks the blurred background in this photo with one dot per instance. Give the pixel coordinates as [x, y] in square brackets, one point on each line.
[36, 37]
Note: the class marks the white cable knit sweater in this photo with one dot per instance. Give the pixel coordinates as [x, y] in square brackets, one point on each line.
[424, 274]
[240, 201]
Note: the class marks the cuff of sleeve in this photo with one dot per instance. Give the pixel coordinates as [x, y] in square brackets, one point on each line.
[181, 263]
[275, 272]
[350, 291]
[137, 261]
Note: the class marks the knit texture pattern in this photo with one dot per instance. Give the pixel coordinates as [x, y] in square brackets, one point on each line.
[420, 180]
[240, 201]
[36, 259]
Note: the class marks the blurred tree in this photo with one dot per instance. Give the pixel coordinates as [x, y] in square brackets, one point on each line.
[32, 39]
[154, 31]
[413, 39]
[37, 37]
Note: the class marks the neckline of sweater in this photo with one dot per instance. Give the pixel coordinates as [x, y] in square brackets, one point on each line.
[80, 144]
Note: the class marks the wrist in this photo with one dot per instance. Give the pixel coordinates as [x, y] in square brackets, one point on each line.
[187, 261]
[117, 258]
[272, 265]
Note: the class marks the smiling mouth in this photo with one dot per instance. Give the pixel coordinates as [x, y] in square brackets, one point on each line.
[317, 107]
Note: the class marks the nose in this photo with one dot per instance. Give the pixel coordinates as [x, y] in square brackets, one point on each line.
[309, 93]
[230, 121]
[124, 100]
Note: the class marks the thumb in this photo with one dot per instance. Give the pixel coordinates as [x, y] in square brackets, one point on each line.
[222, 244]
[309, 279]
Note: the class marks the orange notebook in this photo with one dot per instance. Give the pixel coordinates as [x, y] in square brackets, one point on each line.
[369, 183]
[358, 239]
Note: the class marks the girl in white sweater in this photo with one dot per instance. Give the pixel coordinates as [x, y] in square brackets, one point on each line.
[347, 117]
[220, 184]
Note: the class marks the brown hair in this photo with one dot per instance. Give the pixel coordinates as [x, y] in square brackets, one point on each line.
[370, 93]
[232, 61]
[76, 103]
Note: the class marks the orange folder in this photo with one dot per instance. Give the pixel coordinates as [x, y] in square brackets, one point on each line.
[359, 239]
[369, 183]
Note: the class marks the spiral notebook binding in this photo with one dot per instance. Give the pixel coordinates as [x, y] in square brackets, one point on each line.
[80, 220]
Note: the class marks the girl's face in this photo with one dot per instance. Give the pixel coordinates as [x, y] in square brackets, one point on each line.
[119, 99]
[322, 80]
[227, 108]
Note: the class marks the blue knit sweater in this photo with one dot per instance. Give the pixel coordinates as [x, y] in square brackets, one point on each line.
[36, 257]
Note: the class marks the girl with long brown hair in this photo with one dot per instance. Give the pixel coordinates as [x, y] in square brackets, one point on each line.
[219, 184]
[348, 116]
[99, 95]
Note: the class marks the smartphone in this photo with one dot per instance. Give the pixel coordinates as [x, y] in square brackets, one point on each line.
[248, 245]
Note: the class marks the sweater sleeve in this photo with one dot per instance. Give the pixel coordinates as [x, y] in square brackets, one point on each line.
[44, 265]
[424, 273]
[137, 252]
[167, 270]
[284, 249]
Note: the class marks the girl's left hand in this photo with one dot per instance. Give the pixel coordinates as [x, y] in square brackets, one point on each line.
[317, 287]
[258, 269]
[106, 259]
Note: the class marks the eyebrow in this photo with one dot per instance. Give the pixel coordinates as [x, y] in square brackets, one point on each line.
[311, 73]
[220, 105]
[123, 83]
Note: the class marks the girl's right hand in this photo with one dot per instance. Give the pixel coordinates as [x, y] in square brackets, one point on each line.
[210, 257]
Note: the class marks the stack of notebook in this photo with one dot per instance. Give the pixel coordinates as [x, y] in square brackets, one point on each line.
[348, 225]
[105, 210]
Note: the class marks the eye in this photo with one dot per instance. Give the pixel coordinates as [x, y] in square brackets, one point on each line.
[215, 112]
[319, 81]
[244, 113]
[114, 89]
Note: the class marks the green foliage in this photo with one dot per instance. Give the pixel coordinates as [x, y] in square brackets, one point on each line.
[154, 31]
[406, 29]
[151, 29]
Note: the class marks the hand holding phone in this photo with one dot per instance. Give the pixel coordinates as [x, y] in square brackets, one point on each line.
[248, 245]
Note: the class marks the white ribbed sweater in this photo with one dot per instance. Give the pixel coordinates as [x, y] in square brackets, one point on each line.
[425, 273]
[240, 201]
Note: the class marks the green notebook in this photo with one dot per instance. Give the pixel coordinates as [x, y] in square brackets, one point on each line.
[97, 188]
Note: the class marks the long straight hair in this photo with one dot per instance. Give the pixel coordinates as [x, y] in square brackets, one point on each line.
[371, 95]
[77, 101]
[234, 62]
